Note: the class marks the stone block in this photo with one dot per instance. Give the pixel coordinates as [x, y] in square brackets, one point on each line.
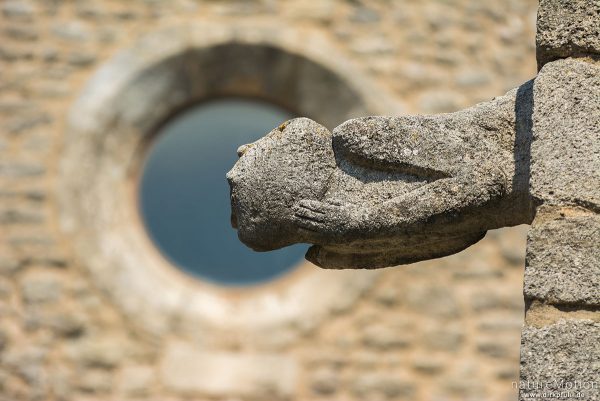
[500, 324]
[136, 381]
[9, 266]
[12, 216]
[186, 369]
[498, 349]
[436, 301]
[41, 288]
[567, 28]
[427, 364]
[95, 381]
[563, 262]
[21, 170]
[324, 381]
[99, 353]
[384, 337]
[559, 358]
[387, 385]
[62, 323]
[486, 301]
[26, 122]
[565, 150]
[446, 339]
[17, 9]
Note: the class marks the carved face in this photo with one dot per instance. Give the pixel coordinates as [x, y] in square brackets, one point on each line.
[271, 175]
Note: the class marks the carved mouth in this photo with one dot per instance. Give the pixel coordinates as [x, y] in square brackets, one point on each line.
[234, 222]
[233, 217]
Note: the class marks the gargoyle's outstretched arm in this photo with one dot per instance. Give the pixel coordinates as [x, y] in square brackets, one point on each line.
[431, 147]
[453, 200]
[464, 159]
[447, 200]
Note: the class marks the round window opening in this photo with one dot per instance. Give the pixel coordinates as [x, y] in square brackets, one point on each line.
[184, 196]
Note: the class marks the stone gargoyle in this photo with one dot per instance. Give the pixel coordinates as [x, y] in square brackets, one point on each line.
[385, 191]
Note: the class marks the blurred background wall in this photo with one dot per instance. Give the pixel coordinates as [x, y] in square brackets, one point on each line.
[74, 326]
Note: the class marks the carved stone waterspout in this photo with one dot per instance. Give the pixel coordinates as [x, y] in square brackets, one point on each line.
[383, 191]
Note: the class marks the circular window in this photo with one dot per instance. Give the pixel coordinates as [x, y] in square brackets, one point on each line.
[184, 197]
[106, 163]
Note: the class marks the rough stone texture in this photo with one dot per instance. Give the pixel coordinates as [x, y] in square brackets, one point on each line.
[563, 261]
[560, 341]
[565, 152]
[384, 191]
[415, 50]
[567, 28]
[295, 161]
[561, 360]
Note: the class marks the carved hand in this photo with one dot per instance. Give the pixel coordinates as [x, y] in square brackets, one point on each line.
[332, 219]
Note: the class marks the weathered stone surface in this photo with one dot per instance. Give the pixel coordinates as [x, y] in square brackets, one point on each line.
[387, 385]
[99, 353]
[41, 288]
[563, 258]
[95, 381]
[25, 122]
[561, 357]
[460, 383]
[565, 151]
[27, 363]
[435, 301]
[428, 364]
[449, 339]
[72, 31]
[492, 324]
[3, 340]
[21, 170]
[17, 9]
[436, 101]
[188, 370]
[365, 15]
[492, 348]
[9, 267]
[23, 33]
[486, 302]
[383, 337]
[325, 381]
[63, 323]
[6, 289]
[567, 28]
[60, 383]
[383, 191]
[136, 381]
[302, 166]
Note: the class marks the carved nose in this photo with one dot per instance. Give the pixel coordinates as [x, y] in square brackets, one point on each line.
[229, 176]
[242, 149]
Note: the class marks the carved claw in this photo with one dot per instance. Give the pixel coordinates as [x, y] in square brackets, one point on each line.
[313, 215]
[332, 218]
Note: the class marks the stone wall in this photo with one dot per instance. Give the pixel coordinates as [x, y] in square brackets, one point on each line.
[561, 337]
[445, 329]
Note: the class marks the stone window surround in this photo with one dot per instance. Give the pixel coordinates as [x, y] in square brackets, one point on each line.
[110, 126]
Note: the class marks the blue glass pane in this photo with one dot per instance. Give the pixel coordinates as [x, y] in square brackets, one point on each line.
[184, 196]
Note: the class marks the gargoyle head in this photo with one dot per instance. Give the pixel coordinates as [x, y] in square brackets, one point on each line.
[291, 162]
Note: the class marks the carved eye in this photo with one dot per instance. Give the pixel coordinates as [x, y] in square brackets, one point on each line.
[242, 149]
